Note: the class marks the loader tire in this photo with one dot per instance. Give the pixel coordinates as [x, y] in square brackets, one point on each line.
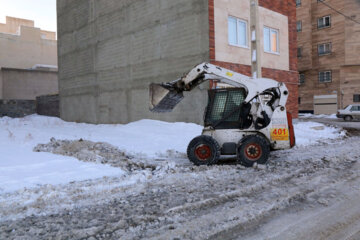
[253, 149]
[203, 150]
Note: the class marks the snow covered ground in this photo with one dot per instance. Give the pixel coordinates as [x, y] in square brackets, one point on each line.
[309, 115]
[145, 140]
[134, 181]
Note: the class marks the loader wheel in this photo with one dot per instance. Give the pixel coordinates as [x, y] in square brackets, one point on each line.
[253, 149]
[203, 150]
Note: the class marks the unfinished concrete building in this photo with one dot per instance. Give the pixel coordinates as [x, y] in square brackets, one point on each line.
[329, 54]
[110, 50]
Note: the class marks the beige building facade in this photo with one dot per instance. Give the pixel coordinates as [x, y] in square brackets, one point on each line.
[328, 54]
[28, 60]
[226, 52]
[24, 84]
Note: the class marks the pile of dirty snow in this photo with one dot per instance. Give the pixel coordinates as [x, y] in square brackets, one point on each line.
[145, 140]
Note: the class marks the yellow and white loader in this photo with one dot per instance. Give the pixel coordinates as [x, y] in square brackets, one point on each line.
[246, 117]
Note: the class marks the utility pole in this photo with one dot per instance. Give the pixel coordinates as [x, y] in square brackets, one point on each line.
[255, 39]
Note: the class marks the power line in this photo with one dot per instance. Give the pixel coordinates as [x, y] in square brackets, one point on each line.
[350, 18]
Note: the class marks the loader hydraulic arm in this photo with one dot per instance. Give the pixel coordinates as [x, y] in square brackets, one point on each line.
[164, 97]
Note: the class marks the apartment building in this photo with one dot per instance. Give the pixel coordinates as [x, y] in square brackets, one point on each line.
[110, 50]
[328, 54]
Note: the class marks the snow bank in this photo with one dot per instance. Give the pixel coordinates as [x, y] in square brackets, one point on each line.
[308, 133]
[309, 115]
[21, 167]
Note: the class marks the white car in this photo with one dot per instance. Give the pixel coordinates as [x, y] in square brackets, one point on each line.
[351, 112]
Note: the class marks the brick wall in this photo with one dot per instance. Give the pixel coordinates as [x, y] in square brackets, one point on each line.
[290, 78]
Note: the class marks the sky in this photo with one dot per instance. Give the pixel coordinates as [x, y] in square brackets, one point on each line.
[43, 12]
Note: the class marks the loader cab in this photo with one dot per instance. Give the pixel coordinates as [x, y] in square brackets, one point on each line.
[226, 109]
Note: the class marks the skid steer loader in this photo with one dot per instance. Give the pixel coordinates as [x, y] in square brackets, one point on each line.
[246, 117]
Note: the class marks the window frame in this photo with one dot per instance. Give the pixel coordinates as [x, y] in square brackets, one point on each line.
[297, 24]
[299, 50]
[298, 3]
[356, 97]
[324, 45]
[270, 42]
[325, 72]
[301, 78]
[238, 32]
[324, 21]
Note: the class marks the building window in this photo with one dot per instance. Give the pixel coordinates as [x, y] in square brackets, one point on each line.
[356, 97]
[298, 26]
[298, 3]
[324, 49]
[271, 40]
[238, 34]
[324, 22]
[301, 78]
[299, 52]
[325, 77]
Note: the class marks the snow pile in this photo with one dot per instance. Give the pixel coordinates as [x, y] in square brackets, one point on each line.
[308, 133]
[309, 115]
[145, 140]
[21, 167]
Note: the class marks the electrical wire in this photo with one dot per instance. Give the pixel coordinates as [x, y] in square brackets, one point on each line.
[350, 18]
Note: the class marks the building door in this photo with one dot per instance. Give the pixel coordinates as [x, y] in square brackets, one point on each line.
[325, 104]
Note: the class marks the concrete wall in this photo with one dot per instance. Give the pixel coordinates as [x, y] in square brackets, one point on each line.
[27, 84]
[110, 50]
[23, 46]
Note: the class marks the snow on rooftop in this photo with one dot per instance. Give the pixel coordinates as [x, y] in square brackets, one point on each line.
[39, 66]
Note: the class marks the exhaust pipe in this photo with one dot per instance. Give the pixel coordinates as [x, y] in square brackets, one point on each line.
[164, 98]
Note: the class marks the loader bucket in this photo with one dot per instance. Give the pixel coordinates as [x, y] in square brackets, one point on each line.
[163, 99]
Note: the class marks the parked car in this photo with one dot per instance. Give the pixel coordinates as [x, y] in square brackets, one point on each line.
[350, 112]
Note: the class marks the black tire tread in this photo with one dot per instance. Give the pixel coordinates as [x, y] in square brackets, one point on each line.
[207, 140]
[265, 148]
